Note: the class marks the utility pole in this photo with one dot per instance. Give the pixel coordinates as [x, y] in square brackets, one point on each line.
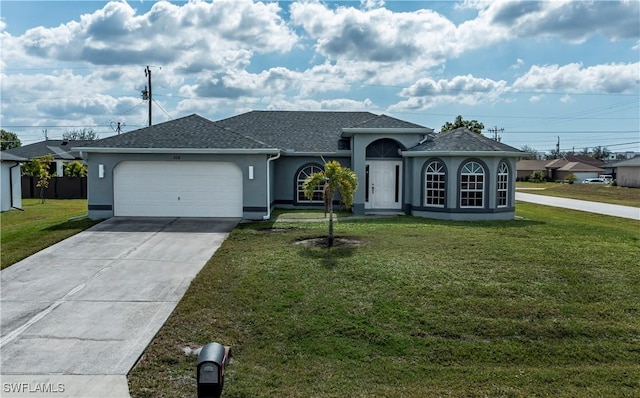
[146, 95]
[495, 130]
[558, 148]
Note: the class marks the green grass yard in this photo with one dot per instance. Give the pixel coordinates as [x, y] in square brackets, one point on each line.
[543, 306]
[23, 233]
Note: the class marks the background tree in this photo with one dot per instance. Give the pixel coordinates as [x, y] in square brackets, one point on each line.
[9, 140]
[601, 153]
[531, 152]
[39, 167]
[74, 169]
[472, 125]
[83, 134]
[333, 178]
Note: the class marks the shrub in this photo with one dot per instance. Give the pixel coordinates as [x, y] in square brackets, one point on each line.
[74, 169]
[537, 176]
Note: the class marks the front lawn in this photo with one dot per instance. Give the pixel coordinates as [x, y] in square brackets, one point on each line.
[39, 226]
[593, 192]
[547, 305]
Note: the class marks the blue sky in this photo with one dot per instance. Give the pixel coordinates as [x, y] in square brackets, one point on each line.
[539, 70]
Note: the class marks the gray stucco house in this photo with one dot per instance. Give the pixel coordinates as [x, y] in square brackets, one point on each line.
[11, 190]
[246, 165]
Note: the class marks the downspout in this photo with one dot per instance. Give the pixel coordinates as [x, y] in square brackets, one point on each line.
[11, 187]
[271, 159]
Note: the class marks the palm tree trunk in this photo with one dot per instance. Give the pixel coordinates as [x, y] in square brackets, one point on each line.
[330, 238]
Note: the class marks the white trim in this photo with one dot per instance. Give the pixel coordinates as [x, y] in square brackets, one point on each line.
[291, 152]
[502, 154]
[236, 151]
[349, 132]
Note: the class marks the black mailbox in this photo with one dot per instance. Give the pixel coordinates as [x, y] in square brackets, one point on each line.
[211, 362]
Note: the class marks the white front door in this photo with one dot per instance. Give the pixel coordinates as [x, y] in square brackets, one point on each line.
[384, 185]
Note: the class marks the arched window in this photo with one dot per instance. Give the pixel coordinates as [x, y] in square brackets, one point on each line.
[472, 185]
[300, 177]
[503, 185]
[434, 184]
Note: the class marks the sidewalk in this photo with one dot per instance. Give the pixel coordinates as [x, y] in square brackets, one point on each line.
[581, 205]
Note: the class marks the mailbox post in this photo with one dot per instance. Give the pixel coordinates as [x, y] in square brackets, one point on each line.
[210, 368]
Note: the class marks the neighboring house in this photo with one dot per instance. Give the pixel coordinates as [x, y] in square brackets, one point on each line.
[581, 171]
[526, 167]
[559, 169]
[59, 149]
[628, 172]
[246, 165]
[10, 180]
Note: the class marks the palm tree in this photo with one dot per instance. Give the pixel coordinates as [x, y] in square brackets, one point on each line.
[333, 178]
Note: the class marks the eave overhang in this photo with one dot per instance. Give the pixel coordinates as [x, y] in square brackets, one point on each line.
[493, 154]
[351, 131]
[211, 151]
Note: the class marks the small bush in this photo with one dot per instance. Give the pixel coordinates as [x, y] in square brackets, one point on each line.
[537, 176]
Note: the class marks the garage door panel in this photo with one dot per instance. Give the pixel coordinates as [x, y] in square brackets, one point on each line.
[178, 189]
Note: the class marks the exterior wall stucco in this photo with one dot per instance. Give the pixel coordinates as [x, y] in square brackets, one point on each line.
[359, 143]
[101, 195]
[287, 168]
[628, 176]
[11, 186]
[452, 210]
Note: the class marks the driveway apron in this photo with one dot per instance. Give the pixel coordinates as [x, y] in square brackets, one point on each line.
[76, 316]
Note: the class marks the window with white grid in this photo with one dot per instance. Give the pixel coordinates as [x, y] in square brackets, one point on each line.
[503, 184]
[302, 175]
[434, 184]
[472, 185]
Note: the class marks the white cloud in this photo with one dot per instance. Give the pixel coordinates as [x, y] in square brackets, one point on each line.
[467, 90]
[209, 33]
[566, 99]
[570, 21]
[574, 78]
[369, 4]
[518, 64]
[377, 37]
[536, 98]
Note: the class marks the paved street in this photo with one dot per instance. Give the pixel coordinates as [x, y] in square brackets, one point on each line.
[581, 205]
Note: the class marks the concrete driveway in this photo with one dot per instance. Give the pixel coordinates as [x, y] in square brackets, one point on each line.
[76, 316]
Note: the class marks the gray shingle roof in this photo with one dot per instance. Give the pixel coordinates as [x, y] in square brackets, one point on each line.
[386, 122]
[633, 162]
[4, 155]
[462, 140]
[59, 149]
[187, 132]
[306, 131]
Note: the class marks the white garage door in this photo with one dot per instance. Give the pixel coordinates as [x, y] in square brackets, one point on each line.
[177, 189]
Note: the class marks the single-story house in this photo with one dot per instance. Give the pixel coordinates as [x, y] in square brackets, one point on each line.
[628, 172]
[10, 180]
[246, 165]
[558, 169]
[61, 150]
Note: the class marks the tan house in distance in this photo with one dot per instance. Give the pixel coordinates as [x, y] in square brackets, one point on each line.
[557, 169]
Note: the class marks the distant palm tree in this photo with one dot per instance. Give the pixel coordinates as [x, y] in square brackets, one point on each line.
[334, 178]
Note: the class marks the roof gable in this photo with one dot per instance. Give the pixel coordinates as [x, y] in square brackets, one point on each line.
[307, 131]
[462, 140]
[187, 132]
[59, 149]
